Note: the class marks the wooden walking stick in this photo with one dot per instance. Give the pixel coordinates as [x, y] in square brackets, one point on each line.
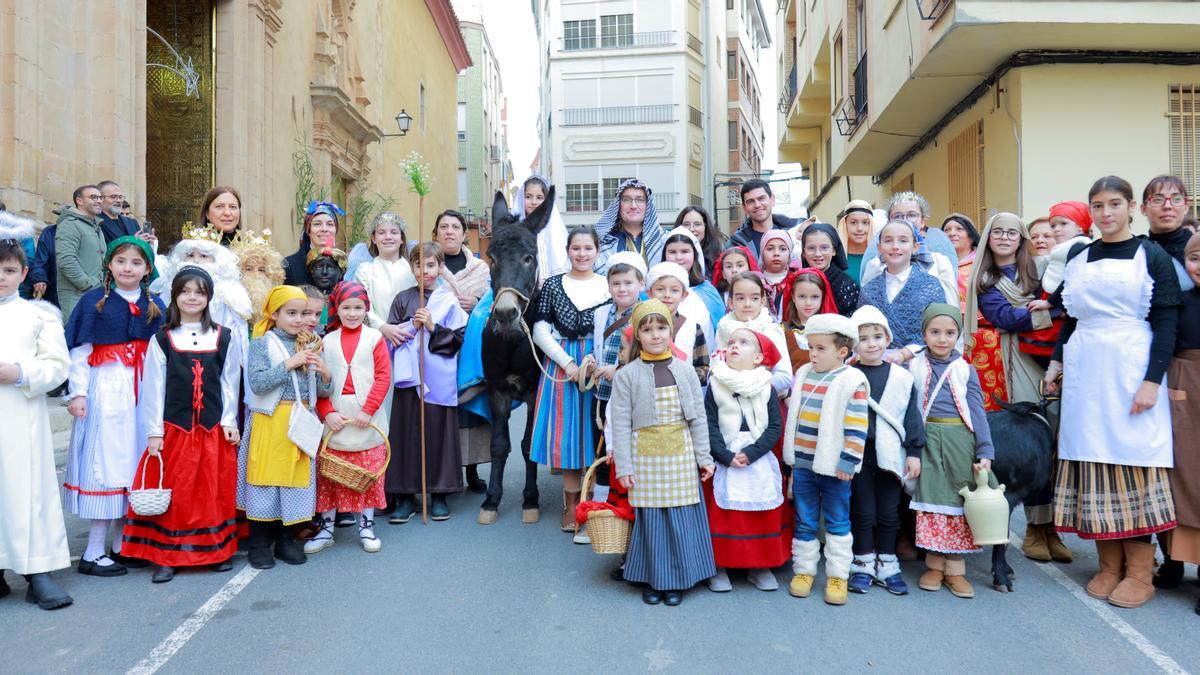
[421, 385]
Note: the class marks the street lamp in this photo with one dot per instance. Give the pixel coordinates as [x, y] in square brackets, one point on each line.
[404, 122]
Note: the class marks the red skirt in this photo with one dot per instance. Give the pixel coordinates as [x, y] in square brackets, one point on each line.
[751, 539]
[331, 495]
[985, 356]
[200, 526]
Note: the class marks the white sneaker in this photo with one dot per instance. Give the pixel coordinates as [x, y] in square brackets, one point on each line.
[719, 582]
[763, 580]
[581, 535]
[366, 535]
[323, 540]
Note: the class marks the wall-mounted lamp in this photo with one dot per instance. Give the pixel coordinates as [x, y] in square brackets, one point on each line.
[404, 122]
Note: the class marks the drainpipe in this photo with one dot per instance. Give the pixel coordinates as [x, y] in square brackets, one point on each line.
[706, 168]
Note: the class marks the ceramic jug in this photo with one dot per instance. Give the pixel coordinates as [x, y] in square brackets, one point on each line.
[987, 511]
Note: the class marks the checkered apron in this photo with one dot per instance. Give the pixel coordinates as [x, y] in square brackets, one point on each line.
[664, 464]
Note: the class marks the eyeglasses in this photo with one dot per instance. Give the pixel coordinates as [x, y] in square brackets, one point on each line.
[1006, 234]
[116, 198]
[820, 250]
[1159, 200]
[911, 216]
[633, 201]
[94, 198]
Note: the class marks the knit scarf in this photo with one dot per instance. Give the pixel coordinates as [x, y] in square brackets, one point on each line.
[1022, 374]
[763, 323]
[740, 394]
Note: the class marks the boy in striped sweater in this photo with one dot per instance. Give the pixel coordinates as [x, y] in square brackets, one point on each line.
[824, 438]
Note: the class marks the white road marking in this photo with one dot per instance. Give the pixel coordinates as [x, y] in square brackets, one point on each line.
[1108, 616]
[177, 639]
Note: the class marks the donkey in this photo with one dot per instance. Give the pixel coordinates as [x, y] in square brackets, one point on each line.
[510, 364]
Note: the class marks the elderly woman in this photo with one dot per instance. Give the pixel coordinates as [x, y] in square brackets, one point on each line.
[961, 232]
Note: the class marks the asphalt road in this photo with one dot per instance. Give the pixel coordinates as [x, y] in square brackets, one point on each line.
[458, 597]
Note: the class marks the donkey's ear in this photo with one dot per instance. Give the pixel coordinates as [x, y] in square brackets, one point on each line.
[541, 215]
[500, 212]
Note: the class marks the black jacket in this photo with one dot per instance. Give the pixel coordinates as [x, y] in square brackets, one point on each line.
[743, 238]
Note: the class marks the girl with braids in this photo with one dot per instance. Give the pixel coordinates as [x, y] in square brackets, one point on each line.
[108, 334]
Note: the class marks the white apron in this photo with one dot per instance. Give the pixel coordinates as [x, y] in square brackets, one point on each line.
[1104, 363]
[757, 487]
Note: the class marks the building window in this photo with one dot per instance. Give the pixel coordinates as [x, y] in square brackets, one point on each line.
[965, 156]
[839, 84]
[582, 197]
[610, 186]
[1183, 111]
[733, 135]
[579, 35]
[616, 30]
[462, 121]
[421, 110]
[463, 184]
[731, 65]
[729, 4]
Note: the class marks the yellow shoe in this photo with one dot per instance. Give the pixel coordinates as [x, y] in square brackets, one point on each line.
[836, 591]
[801, 585]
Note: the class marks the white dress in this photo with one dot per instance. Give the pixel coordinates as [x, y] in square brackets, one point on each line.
[384, 280]
[32, 536]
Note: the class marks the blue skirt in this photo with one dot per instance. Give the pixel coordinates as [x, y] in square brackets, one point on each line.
[564, 436]
[670, 548]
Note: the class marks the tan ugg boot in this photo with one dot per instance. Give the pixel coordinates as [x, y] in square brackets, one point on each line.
[956, 579]
[1035, 546]
[1137, 588]
[1112, 568]
[932, 579]
[1058, 550]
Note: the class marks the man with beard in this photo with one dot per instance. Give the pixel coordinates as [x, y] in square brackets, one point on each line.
[261, 267]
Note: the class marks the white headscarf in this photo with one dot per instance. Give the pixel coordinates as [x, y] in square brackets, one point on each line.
[552, 240]
[699, 251]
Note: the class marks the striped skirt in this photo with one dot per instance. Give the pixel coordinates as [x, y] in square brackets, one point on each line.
[670, 549]
[1112, 501]
[564, 436]
[110, 396]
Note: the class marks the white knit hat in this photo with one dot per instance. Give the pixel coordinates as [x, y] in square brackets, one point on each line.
[869, 315]
[628, 258]
[831, 324]
[667, 269]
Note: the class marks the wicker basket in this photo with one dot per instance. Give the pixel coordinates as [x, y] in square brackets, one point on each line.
[153, 501]
[609, 533]
[347, 474]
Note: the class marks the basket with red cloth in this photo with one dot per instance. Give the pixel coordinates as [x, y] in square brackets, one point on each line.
[610, 522]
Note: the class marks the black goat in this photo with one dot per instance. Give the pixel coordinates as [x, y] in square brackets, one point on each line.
[1024, 463]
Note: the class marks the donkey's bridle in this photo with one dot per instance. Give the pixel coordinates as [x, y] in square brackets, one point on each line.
[523, 300]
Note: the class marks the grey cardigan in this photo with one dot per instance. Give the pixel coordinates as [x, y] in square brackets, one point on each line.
[632, 407]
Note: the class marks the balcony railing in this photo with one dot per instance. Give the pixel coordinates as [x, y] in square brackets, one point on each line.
[695, 117]
[665, 201]
[695, 200]
[860, 87]
[658, 38]
[695, 45]
[625, 114]
[789, 93]
[495, 153]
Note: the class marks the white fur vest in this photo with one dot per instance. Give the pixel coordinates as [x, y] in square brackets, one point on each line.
[831, 431]
[959, 375]
[889, 420]
[362, 368]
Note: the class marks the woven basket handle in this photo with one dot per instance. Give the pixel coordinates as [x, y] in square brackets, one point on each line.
[160, 469]
[382, 434]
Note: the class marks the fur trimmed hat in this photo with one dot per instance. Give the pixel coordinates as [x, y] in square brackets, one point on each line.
[869, 315]
[832, 324]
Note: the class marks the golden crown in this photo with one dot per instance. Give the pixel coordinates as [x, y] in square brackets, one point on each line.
[204, 232]
[245, 239]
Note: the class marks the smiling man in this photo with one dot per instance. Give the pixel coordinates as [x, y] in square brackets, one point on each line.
[759, 204]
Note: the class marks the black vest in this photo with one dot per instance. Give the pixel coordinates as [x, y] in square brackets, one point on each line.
[193, 391]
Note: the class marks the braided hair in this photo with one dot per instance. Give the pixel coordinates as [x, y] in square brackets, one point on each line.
[152, 310]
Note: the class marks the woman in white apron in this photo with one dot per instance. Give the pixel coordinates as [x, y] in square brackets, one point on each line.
[1121, 297]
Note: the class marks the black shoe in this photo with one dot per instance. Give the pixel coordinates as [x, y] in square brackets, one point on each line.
[90, 568]
[474, 482]
[132, 563]
[4, 587]
[406, 506]
[258, 546]
[344, 519]
[163, 574]
[672, 598]
[1169, 574]
[617, 573]
[651, 596]
[45, 592]
[388, 509]
[288, 549]
[224, 565]
[438, 510]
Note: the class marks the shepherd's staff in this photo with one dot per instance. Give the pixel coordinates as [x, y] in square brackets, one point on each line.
[421, 384]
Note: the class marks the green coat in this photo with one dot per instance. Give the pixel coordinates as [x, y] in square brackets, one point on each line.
[79, 250]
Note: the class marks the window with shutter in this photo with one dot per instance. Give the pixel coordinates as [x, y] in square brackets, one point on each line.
[1183, 111]
[965, 155]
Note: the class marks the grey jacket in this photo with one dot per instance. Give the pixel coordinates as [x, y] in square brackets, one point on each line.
[79, 248]
[632, 407]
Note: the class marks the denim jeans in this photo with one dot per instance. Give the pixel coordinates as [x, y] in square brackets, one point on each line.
[816, 496]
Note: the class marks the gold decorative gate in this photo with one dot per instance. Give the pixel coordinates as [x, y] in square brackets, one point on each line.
[179, 112]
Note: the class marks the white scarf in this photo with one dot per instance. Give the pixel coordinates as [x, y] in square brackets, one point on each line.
[744, 394]
[763, 323]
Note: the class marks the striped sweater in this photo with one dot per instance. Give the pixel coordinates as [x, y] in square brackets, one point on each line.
[827, 421]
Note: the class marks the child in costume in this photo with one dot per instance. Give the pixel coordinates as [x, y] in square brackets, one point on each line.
[808, 296]
[823, 443]
[326, 267]
[358, 357]
[564, 432]
[660, 437]
[747, 513]
[276, 480]
[775, 250]
[732, 262]
[892, 455]
[958, 443]
[703, 303]
[261, 267]
[387, 273]
[445, 323]
[667, 282]
[108, 334]
[33, 361]
[748, 297]
[189, 402]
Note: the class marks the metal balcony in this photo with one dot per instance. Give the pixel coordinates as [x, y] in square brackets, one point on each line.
[659, 38]
[695, 117]
[625, 114]
[665, 201]
[789, 93]
[860, 87]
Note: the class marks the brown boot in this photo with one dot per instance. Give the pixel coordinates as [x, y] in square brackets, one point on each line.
[1137, 588]
[935, 573]
[1058, 550]
[956, 578]
[1035, 546]
[905, 549]
[1112, 568]
[570, 501]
